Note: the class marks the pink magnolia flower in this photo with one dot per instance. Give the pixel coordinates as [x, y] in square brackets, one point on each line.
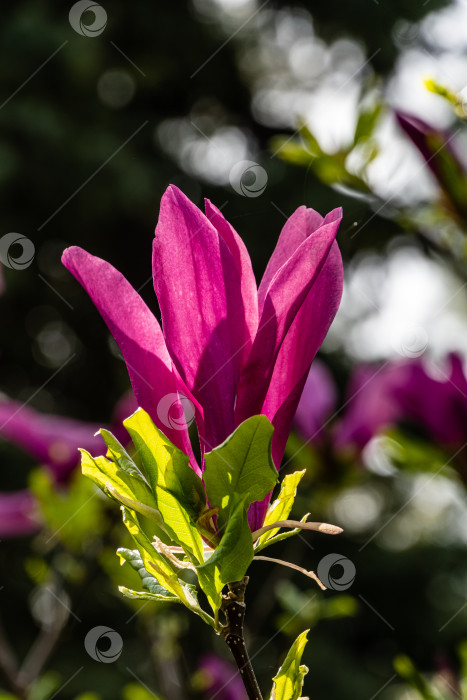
[381, 397]
[221, 679]
[317, 403]
[231, 349]
[439, 152]
[52, 441]
[18, 514]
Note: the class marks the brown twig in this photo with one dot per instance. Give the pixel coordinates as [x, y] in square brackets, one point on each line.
[9, 666]
[233, 606]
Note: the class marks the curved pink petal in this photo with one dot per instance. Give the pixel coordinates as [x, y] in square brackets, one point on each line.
[18, 514]
[198, 286]
[249, 293]
[139, 336]
[296, 229]
[51, 440]
[294, 359]
[287, 293]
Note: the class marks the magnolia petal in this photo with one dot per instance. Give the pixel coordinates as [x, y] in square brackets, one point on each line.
[198, 286]
[289, 293]
[249, 296]
[139, 336]
[296, 229]
[299, 348]
[49, 439]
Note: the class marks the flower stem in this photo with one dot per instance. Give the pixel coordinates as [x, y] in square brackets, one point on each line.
[233, 606]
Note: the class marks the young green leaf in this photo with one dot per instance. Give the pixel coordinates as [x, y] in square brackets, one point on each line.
[231, 558]
[241, 467]
[288, 682]
[281, 507]
[117, 453]
[115, 482]
[158, 566]
[177, 489]
[149, 582]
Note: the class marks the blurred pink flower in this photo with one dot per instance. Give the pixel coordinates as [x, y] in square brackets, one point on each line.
[380, 397]
[317, 403]
[53, 442]
[18, 514]
[437, 148]
[222, 680]
[231, 349]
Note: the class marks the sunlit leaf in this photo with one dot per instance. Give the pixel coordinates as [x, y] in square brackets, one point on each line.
[231, 558]
[178, 491]
[281, 507]
[161, 569]
[241, 468]
[288, 682]
[106, 473]
[71, 513]
[117, 453]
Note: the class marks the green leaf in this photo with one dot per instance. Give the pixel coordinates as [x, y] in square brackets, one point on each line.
[310, 140]
[133, 492]
[134, 691]
[117, 453]
[281, 507]
[149, 582]
[405, 668]
[70, 513]
[231, 558]
[178, 491]
[366, 123]
[240, 468]
[158, 566]
[291, 151]
[288, 682]
[46, 686]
